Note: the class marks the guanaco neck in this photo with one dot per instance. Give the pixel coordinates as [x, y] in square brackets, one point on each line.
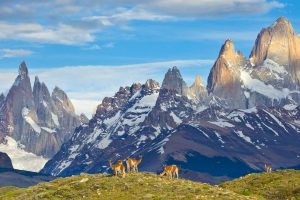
[139, 161]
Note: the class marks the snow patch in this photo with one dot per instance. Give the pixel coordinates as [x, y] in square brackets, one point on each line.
[30, 121]
[274, 67]
[258, 86]
[244, 137]
[48, 130]
[290, 107]
[219, 137]
[176, 119]
[104, 143]
[222, 123]
[276, 120]
[21, 159]
[111, 121]
[55, 119]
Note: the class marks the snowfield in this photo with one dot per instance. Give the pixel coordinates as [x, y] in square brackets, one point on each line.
[21, 159]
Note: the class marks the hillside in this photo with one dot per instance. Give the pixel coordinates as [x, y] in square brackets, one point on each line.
[283, 184]
[134, 186]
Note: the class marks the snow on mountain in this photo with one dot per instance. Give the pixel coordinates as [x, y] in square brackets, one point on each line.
[32, 117]
[247, 116]
[22, 159]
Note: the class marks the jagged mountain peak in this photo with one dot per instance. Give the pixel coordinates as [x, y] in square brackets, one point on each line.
[61, 98]
[224, 77]
[280, 44]
[284, 25]
[174, 81]
[227, 48]
[23, 70]
[151, 84]
[84, 119]
[198, 81]
[36, 79]
[229, 53]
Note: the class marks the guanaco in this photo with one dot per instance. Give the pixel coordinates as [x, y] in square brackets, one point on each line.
[132, 164]
[268, 168]
[171, 171]
[118, 168]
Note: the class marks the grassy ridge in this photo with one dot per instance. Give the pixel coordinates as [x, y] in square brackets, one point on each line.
[134, 186]
[281, 184]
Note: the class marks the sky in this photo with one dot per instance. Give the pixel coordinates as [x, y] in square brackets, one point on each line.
[90, 48]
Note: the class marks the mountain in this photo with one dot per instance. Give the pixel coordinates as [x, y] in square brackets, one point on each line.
[5, 161]
[248, 115]
[33, 122]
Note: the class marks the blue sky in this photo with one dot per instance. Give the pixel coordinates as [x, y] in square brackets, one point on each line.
[89, 49]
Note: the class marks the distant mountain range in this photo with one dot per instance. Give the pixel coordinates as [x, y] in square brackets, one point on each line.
[248, 115]
[33, 123]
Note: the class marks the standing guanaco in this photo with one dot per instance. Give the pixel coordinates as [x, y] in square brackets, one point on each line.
[118, 168]
[268, 168]
[132, 164]
[171, 171]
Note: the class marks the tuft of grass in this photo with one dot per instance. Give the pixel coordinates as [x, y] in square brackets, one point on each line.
[281, 184]
[134, 186]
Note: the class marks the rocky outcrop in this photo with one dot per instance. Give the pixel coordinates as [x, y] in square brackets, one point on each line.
[281, 44]
[174, 81]
[5, 161]
[224, 78]
[198, 90]
[37, 120]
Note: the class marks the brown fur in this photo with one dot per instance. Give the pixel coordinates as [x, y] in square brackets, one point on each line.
[132, 164]
[171, 171]
[119, 168]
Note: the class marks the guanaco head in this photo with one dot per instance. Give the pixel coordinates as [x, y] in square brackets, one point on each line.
[119, 161]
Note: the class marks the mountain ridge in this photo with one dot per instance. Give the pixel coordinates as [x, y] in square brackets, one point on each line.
[241, 118]
[32, 120]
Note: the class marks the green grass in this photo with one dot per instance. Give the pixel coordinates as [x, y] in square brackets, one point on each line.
[281, 184]
[134, 186]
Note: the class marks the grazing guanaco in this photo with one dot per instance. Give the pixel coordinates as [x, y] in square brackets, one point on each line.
[118, 168]
[171, 171]
[268, 168]
[132, 164]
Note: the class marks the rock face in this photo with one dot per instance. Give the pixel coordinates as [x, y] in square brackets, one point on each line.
[248, 115]
[280, 44]
[40, 122]
[198, 90]
[224, 78]
[5, 161]
[174, 81]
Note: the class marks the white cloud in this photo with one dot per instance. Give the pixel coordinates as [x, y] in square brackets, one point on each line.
[212, 8]
[74, 22]
[98, 47]
[9, 53]
[62, 34]
[87, 85]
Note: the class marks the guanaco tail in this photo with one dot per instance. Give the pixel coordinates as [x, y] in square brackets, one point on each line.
[170, 171]
[118, 169]
[132, 164]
